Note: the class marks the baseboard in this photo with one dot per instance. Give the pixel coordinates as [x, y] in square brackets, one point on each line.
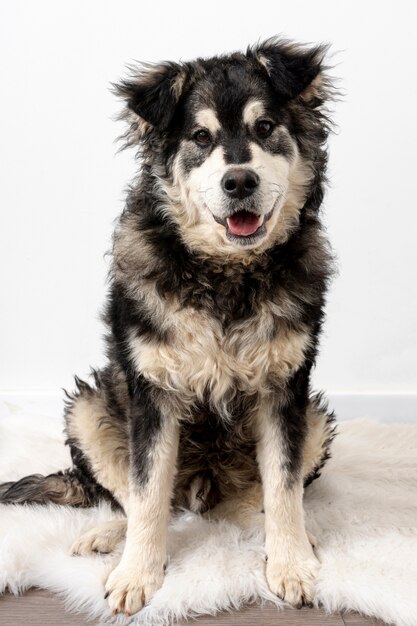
[383, 406]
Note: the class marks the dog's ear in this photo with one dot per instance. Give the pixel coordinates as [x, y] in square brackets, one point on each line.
[154, 91]
[292, 69]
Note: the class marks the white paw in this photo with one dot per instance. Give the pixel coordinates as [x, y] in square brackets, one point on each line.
[292, 579]
[129, 588]
[103, 538]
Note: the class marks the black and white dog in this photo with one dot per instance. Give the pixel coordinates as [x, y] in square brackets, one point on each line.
[218, 282]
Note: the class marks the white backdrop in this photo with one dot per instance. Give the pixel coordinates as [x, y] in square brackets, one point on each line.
[62, 181]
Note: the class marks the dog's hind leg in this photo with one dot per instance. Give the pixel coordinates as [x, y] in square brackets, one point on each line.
[102, 538]
[96, 426]
[97, 431]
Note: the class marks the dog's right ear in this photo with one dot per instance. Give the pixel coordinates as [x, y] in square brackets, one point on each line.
[153, 92]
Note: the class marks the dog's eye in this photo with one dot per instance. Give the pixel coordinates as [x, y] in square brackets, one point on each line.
[202, 137]
[263, 128]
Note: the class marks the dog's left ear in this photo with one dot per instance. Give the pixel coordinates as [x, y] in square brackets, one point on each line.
[293, 70]
[153, 92]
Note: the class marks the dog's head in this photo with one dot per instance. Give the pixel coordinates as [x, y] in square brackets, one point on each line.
[235, 142]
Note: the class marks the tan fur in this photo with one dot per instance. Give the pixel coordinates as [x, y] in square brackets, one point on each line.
[104, 443]
[178, 84]
[317, 438]
[207, 118]
[313, 90]
[264, 61]
[103, 538]
[137, 127]
[201, 356]
[141, 569]
[253, 111]
[133, 258]
[197, 494]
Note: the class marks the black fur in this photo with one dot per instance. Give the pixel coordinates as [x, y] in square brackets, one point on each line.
[146, 420]
[153, 98]
[293, 273]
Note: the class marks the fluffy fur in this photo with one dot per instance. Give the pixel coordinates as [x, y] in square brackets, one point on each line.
[218, 281]
[364, 523]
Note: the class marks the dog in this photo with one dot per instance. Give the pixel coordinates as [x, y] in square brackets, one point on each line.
[218, 281]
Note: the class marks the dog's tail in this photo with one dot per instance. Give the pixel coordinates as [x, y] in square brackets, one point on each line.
[69, 487]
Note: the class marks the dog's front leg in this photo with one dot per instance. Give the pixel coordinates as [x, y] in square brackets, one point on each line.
[291, 565]
[154, 445]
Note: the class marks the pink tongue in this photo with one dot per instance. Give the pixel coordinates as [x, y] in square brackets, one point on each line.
[243, 223]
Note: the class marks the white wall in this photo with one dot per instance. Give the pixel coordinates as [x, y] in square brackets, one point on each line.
[62, 182]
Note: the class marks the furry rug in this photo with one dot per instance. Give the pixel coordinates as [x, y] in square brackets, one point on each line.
[363, 511]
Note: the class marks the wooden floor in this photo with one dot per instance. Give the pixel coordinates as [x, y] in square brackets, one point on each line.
[40, 608]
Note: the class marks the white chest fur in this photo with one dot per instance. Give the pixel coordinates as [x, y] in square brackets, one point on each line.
[201, 357]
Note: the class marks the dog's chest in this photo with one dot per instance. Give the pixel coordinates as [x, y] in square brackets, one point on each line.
[202, 357]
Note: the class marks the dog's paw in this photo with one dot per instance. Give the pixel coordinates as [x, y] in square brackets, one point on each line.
[293, 579]
[103, 538]
[129, 588]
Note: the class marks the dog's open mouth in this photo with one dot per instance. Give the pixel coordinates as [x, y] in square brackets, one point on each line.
[244, 223]
[244, 226]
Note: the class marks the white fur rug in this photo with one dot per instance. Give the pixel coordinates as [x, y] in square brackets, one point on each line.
[363, 511]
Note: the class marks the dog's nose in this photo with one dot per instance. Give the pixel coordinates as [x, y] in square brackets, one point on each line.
[239, 183]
